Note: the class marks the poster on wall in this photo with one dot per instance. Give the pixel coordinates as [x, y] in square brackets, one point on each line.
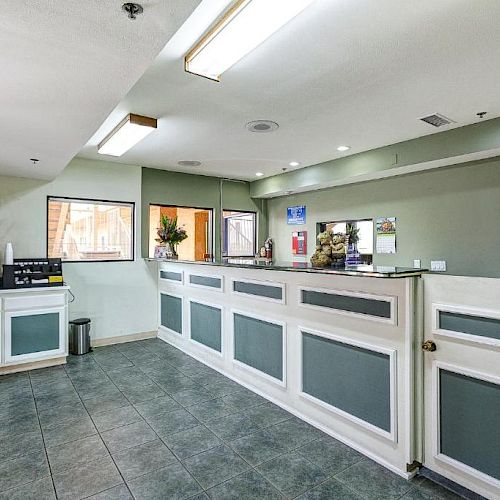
[296, 215]
[299, 243]
[386, 235]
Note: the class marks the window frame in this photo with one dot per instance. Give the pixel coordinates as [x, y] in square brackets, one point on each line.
[255, 233]
[91, 200]
[171, 205]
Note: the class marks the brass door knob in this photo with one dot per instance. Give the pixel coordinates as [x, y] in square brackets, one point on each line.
[429, 346]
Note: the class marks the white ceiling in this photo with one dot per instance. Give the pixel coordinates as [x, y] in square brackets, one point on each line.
[65, 65]
[355, 72]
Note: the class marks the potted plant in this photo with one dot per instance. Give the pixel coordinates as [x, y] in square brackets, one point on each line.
[169, 236]
[352, 237]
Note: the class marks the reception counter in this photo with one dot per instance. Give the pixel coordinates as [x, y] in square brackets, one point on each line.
[336, 347]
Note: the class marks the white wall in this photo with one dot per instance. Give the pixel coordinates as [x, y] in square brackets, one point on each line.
[119, 297]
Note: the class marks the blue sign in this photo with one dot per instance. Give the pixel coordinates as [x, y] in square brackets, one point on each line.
[296, 215]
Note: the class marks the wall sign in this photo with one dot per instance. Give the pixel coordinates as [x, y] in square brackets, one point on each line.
[299, 242]
[386, 235]
[296, 215]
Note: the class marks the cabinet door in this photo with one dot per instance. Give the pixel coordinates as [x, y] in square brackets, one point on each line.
[30, 335]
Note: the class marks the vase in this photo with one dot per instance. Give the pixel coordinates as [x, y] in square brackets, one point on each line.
[353, 257]
[166, 251]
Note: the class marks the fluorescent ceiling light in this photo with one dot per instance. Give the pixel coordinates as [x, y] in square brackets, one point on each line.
[343, 148]
[294, 164]
[131, 130]
[259, 174]
[244, 26]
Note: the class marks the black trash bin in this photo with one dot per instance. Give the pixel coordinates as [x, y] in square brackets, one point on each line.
[79, 336]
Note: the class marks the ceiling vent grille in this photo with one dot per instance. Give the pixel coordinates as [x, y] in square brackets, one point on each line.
[436, 120]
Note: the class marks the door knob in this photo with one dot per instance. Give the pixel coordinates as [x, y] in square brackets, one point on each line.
[429, 346]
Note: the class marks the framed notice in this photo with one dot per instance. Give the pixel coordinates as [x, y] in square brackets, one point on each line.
[299, 242]
[296, 215]
[386, 235]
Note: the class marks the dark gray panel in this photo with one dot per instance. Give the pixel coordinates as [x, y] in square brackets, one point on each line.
[259, 344]
[34, 333]
[171, 275]
[360, 305]
[171, 312]
[350, 378]
[269, 291]
[205, 281]
[470, 413]
[473, 325]
[206, 325]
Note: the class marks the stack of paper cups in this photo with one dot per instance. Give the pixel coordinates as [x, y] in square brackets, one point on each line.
[9, 254]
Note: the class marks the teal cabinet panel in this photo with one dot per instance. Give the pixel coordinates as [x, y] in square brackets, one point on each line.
[171, 312]
[259, 290]
[206, 325]
[473, 325]
[171, 275]
[34, 333]
[259, 344]
[208, 281]
[469, 421]
[350, 378]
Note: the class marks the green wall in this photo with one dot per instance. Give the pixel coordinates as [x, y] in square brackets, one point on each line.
[175, 188]
[447, 214]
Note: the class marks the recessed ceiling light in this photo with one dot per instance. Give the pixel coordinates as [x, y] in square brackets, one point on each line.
[131, 130]
[294, 164]
[189, 163]
[244, 26]
[259, 174]
[261, 126]
[343, 148]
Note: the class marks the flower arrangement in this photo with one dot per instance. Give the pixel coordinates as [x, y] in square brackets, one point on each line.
[169, 236]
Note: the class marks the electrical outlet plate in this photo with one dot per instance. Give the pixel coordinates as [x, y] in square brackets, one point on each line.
[438, 265]
[417, 264]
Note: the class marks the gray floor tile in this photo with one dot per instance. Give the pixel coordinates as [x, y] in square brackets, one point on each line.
[49, 402]
[138, 394]
[295, 432]
[189, 397]
[10, 393]
[105, 403]
[267, 414]
[41, 489]
[20, 424]
[157, 406]
[370, 479]
[172, 422]
[86, 479]
[292, 474]
[173, 384]
[172, 482]
[258, 447]
[20, 444]
[142, 459]
[91, 390]
[427, 490]
[247, 486]
[17, 407]
[53, 388]
[192, 441]
[244, 399]
[24, 469]
[128, 436]
[67, 455]
[330, 454]
[330, 489]
[118, 417]
[215, 466]
[120, 492]
[61, 415]
[232, 427]
[71, 432]
[211, 410]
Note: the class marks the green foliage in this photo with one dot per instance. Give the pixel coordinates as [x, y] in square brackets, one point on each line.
[169, 232]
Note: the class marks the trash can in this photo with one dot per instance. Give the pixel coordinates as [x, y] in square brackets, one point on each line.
[79, 336]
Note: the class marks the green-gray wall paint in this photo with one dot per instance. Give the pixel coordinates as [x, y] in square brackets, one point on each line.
[174, 188]
[448, 213]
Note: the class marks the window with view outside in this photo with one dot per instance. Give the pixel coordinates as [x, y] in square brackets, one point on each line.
[90, 230]
[239, 234]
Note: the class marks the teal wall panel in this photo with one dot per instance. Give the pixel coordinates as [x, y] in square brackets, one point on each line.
[208, 281]
[171, 275]
[350, 378]
[259, 344]
[469, 421]
[34, 333]
[473, 325]
[260, 290]
[360, 305]
[171, 312]
[206, 325]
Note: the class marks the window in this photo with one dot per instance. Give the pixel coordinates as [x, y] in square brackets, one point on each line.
[198, 223]
[89, 230]
[239, 234]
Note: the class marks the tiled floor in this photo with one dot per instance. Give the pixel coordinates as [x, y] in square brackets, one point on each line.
[143, 420]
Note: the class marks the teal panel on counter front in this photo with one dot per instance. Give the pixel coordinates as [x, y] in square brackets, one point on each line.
[473, 325]
[360, 305]
[350, 378]
[206, 325]
[259, 344]
[34, 333]
[171, 275]
[260, 290]
[171, 312]
[469, 421]
[208, 281]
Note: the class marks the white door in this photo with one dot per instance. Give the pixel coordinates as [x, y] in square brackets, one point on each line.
[462, 381]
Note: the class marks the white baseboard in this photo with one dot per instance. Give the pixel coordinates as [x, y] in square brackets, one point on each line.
[121, 339]
[33, 365]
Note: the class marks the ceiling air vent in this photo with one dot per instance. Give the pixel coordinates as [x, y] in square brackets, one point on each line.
[436, 120]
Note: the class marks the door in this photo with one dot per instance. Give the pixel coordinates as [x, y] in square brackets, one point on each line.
[461, 363]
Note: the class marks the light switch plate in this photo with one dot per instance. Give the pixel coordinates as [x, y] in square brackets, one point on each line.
[416, 263]
[438, 265]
